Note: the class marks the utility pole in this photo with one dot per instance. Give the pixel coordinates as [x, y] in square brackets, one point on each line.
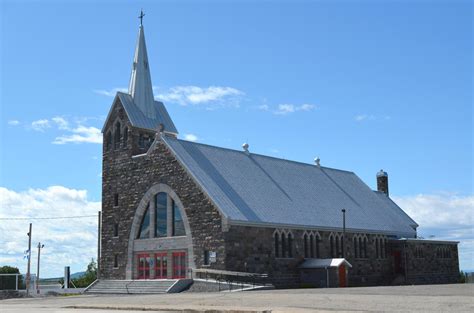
[343, 230]
[28, 275]
[99, 224]
[38, 268]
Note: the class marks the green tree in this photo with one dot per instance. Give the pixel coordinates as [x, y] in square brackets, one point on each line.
[9, 282]
[89, 276]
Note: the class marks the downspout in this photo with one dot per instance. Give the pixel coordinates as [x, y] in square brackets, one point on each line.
[327, 277]
[406, 264]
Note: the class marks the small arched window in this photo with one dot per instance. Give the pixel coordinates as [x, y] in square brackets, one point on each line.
[311, 245]
[355, 244]
[377, 247]
[306, 245]
[283, 245]
[125, 137]
[117, 136]
[290, 245]
[365, 247]
[318, 243]
[331, 242]
[277, 245]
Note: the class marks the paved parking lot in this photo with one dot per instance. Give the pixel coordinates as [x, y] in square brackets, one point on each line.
[431, 298]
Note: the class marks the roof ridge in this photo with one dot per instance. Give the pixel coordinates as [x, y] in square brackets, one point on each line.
[263, 155]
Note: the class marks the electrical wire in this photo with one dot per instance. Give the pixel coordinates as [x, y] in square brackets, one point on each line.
[45, 218]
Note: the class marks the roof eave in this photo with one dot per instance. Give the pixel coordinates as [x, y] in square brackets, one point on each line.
[321, 228]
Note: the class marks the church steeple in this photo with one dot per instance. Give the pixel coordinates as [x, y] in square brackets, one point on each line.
[140, 87]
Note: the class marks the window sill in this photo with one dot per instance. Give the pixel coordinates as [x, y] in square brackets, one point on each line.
[115, 237]
[115, 268]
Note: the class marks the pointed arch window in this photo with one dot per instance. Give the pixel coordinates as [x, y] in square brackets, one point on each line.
[377, 247]
[117, 136]
[283, 245]
[306, 245]
[145, 225]
[355, 241]
[161, 215]
[178, 224]
[290, 245]
[317, 238]
[125, 137]
[331, 242]
[162, 218]
[277, 244]
[365, 247]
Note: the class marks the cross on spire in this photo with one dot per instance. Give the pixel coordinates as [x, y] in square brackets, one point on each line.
[141, 17]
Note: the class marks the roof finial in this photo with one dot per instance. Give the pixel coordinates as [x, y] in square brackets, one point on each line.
[141, 17]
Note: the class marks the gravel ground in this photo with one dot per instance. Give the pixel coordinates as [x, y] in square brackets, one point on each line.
[427, 298]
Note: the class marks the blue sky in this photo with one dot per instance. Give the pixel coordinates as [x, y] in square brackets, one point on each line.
[363, 85]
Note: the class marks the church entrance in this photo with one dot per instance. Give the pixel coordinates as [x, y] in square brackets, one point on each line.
[161, 269]
[157, 265]
[179, 264]
[144, 266]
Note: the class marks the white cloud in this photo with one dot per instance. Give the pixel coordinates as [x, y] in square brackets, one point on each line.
[40, 125]
[264, 107]
[370, 117]
[446, 216]
[61, 122]
[80, 134]
[191, 137]
[443, 210]
[13, 122]
[110, 93]
[68, 242]
[284, 109]
[212, 97]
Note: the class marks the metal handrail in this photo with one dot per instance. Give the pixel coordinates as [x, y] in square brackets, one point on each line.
[231, 277]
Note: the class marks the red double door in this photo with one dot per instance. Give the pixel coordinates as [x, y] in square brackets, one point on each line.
[145, 261]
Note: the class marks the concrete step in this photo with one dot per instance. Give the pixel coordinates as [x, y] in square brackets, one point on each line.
[133, 286]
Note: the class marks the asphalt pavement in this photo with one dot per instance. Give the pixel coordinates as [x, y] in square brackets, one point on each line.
[426, 298]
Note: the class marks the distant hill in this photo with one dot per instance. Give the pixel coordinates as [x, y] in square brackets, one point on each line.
[77, 275]
[73, 276]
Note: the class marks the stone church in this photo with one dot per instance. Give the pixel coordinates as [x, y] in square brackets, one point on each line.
[173, 208]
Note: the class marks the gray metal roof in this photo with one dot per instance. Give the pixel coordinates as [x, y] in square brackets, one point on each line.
[257, 189]
[138, 119]
[324, 263]
[140, 87]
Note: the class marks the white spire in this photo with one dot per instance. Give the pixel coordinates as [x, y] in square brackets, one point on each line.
[140, 87]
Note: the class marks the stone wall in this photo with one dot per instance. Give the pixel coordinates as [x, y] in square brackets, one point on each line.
[251, 249]
[425, 262]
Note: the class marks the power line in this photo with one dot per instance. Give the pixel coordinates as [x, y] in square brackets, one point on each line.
[45, 218]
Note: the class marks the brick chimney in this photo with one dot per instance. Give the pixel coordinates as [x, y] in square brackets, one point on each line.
[382, 182]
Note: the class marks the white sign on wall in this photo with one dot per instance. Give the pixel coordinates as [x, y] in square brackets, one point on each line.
[212, 257]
